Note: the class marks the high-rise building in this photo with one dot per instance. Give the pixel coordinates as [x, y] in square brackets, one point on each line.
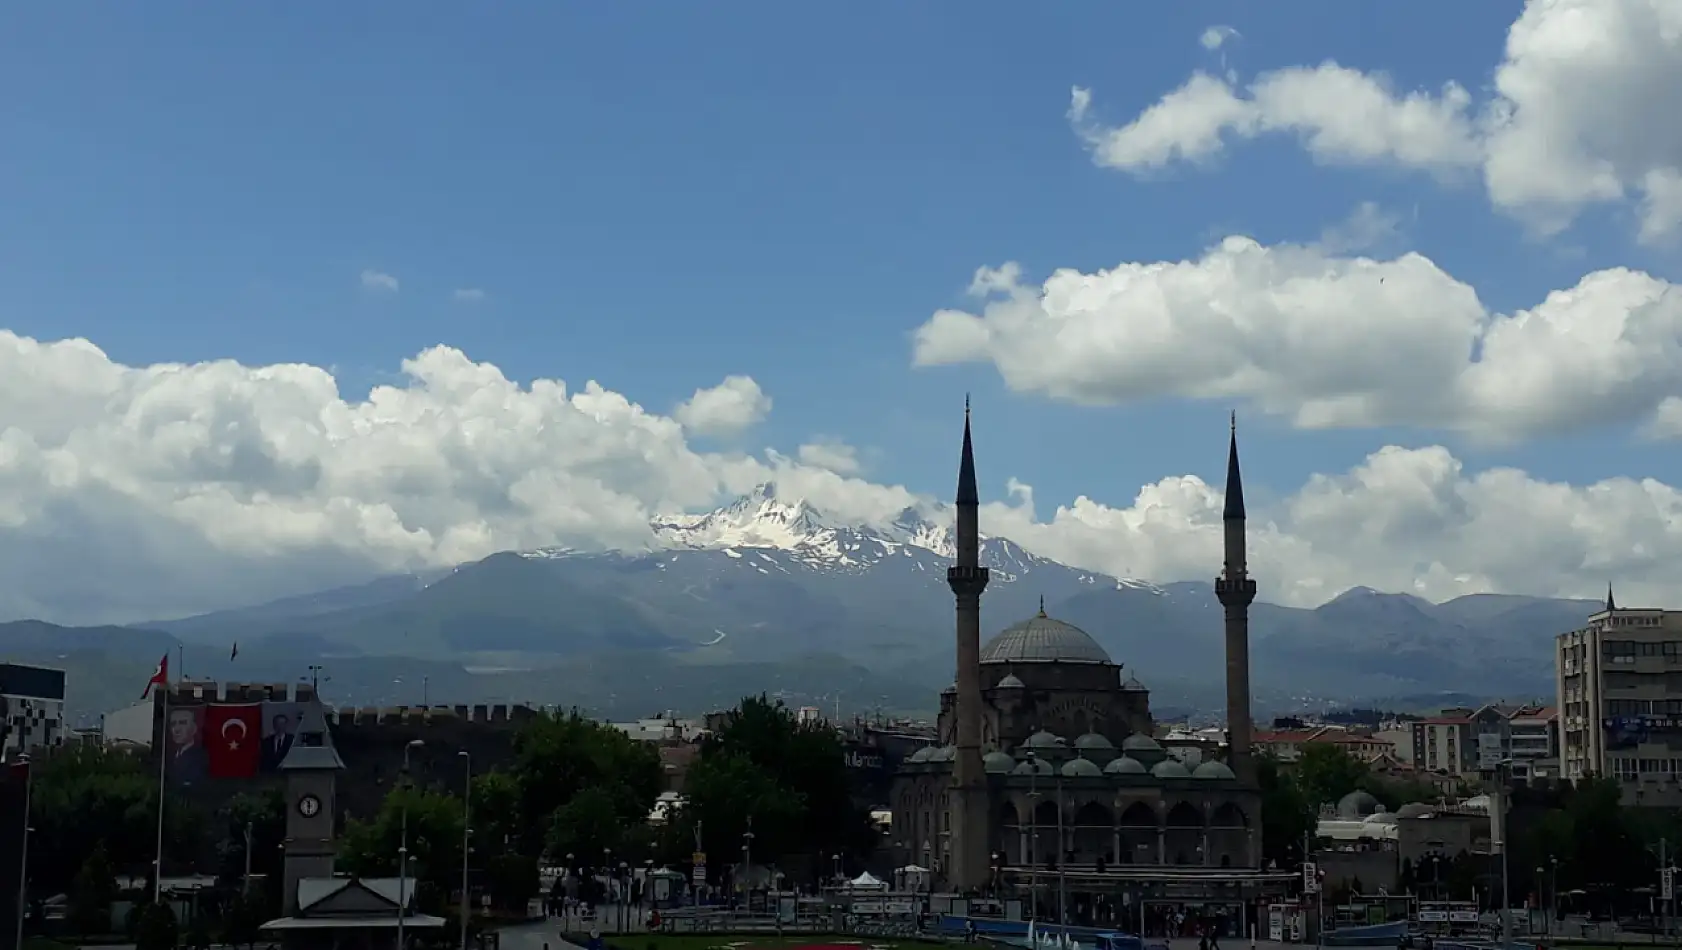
[1620, 701]
[31, 709]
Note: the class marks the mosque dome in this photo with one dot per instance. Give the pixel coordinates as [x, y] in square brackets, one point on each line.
[1139, 742]
[1094, 742]
[1125, 766]
[1170, 768]
[1081, 768]
[945, 753]
[997, 762]
[1132, 685]
[1413, 810]
[1032, 767]
[1042, 639]
[1356, 805]
[1213, 769]
[1044, 740]
[921, 755]
[1012, 681]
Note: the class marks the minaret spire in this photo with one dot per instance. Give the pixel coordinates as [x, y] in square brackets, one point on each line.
[1234, 478]
[968, 869]
[1236, 591]
[1611, 604]
[967, 495]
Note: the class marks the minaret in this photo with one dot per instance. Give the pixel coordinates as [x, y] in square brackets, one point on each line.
[1236, 590]
[968, 867]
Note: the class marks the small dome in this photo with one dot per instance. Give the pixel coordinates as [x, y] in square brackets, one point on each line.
[1170, 768]
[1081, 768]
[945, 753]
[1413, 810]
[1012, 682]
[922, 755]
[1044, 740]
[1042, 639]
[1213, 769]
[1139, 742]
[1032, 767]
[1132, 685]
[997, 762]
[1125, 765]
[950, 690]
[1094, 741]
[1356, 805]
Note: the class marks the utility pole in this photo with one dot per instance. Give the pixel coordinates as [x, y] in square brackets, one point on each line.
[245, 890]
[315, 678]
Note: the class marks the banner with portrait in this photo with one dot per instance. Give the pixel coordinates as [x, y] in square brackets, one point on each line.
[280, 729]
[186, 762]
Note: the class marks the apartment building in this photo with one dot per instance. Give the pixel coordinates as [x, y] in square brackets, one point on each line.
[1467, 742]
[1620, 700]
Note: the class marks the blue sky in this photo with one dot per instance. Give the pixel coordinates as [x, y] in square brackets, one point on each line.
[655, 198]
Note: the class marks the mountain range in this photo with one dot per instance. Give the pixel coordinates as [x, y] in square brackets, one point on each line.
[769, 593]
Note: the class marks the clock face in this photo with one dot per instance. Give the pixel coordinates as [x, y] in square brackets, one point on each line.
[309, 806]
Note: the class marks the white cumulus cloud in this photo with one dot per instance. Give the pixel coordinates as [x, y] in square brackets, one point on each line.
[731, 406]
[1326, 340]
[468, 295]
[139, 492]
[380, 281]
[1582, 112]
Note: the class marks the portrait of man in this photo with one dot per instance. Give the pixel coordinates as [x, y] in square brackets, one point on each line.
[184, 744]
[280, 729]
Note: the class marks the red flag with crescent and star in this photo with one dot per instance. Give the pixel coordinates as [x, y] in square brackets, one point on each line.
[233, 739]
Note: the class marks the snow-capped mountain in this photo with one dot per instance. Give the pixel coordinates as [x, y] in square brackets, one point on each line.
[781, 533]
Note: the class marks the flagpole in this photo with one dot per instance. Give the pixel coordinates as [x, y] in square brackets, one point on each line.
[163, 765]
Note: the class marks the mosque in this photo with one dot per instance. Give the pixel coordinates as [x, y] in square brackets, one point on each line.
[1049, 786]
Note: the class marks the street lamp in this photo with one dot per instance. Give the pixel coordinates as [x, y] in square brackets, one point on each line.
[466, 840]
[403, 847]
[747, 862]
[624, 896]
[23, 859]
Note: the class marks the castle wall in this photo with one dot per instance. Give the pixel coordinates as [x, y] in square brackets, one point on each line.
[370, 740]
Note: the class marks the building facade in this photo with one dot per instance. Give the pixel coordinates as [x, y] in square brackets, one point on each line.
[31, 709]
[1620, 701]
[1467, 743]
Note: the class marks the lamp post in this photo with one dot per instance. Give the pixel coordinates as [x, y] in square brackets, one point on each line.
[747, 862]
[23, 858]
[624, 896]
[403, 848]
[466, 839]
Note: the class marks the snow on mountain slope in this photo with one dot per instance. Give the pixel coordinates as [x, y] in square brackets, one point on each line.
[791, 533]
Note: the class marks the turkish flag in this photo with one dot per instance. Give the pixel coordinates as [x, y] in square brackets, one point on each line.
[233, 739]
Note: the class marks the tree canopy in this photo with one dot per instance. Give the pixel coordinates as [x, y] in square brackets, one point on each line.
[789, 778]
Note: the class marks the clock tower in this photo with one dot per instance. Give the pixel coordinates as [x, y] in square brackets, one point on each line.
[311, 768]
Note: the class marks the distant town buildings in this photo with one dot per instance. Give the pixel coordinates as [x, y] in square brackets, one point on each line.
[31, 709]
[1620, 700]
[1468, 742]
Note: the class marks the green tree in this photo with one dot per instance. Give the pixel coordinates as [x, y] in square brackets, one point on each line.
[434, 820]
[1286, 815]
[588, 826]
[86, 795]
[790, 777]
[513, 880]
[264, 814]
[497, 819]
[91, 898]
[154, 928]
[1326, 772]
[245, 913]
[557, 757]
